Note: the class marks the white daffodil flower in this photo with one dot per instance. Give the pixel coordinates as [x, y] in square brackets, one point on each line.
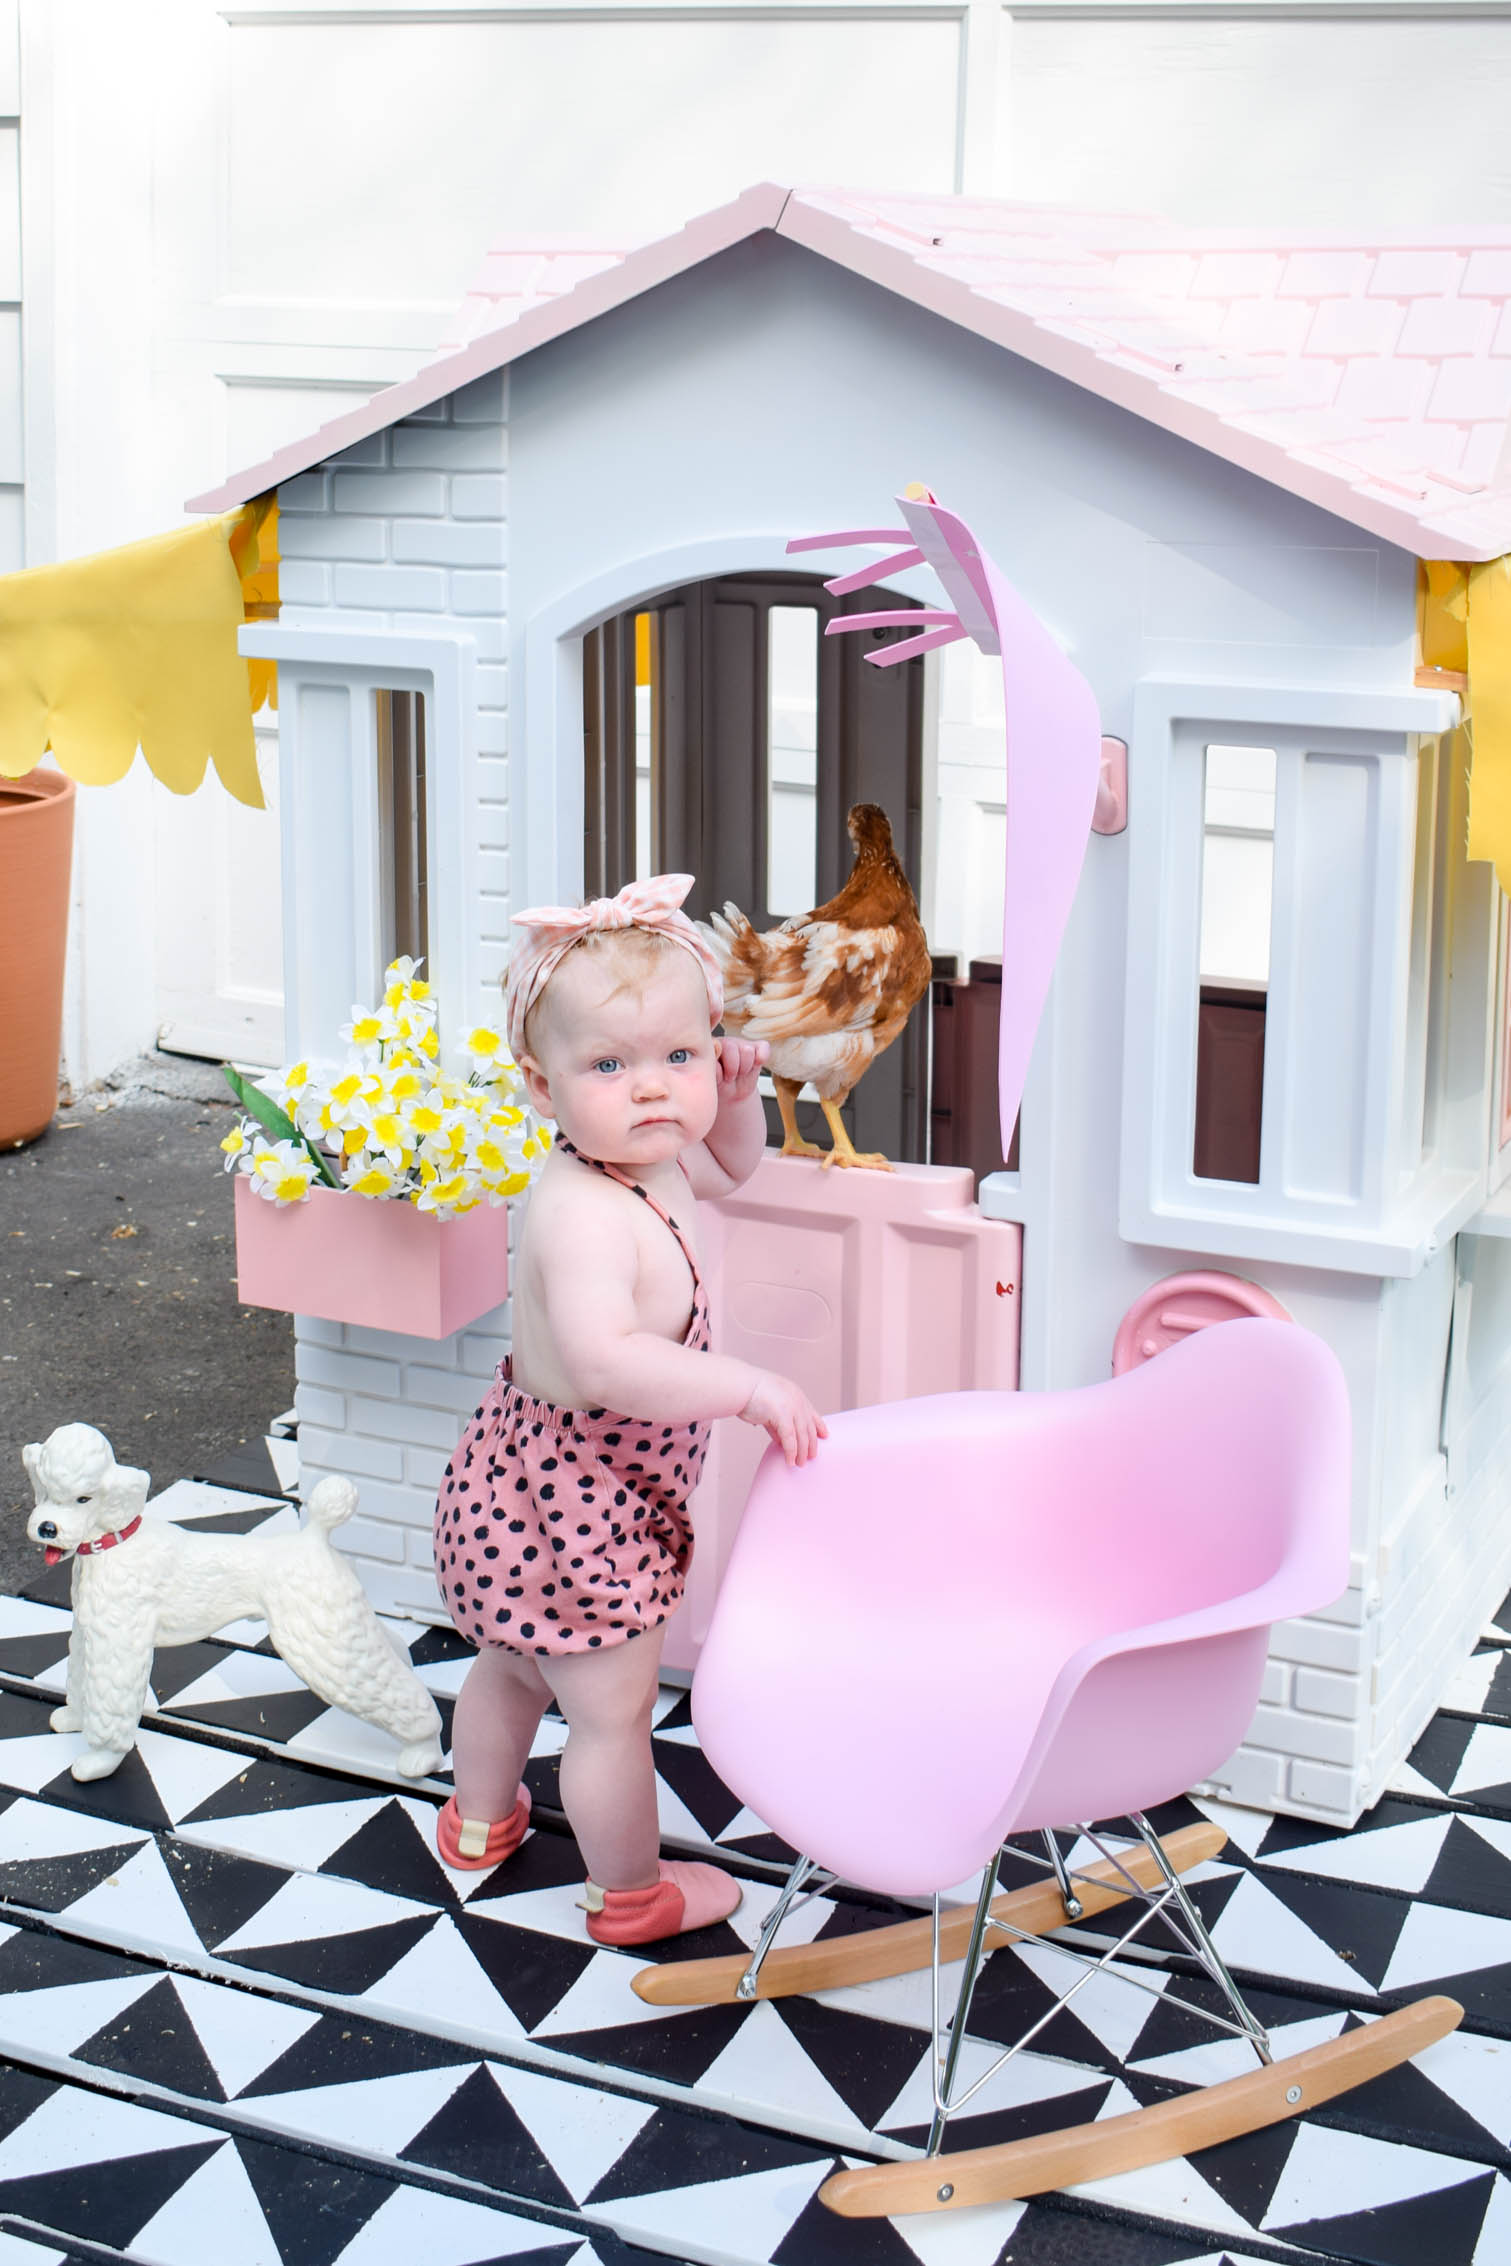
[449, 1197]
[388, 1136]
[368, 1029]
[402, 1084]
[287, 1087]
[499, 1191]
[282, 1171]
[486, 1051]
[426, 1118]
[413, 1019]
[401, 979]
[351, 1098]
[369, 1176]
[238, 1145]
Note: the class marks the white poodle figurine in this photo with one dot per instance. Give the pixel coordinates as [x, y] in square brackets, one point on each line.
[140, 1582]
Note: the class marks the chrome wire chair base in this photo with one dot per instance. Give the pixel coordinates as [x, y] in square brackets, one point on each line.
[1145, 1872]
[1169, 1901]
[803, 1881]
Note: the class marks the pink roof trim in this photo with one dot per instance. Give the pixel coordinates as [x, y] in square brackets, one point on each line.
[1370, 374]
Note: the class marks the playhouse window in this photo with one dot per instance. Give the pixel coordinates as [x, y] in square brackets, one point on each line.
[1237, 889]
[402, 860]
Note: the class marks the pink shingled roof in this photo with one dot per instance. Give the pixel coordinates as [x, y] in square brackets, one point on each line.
[1368, 373]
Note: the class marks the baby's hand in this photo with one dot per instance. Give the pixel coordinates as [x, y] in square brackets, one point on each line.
[740, 1062]
[787, 1414]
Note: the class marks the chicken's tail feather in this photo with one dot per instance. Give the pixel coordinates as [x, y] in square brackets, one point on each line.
[730, 926]
[740, 952]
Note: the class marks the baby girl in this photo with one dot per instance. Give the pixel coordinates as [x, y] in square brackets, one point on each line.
[562, 1536]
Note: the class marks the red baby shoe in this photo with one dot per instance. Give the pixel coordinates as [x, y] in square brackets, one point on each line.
[468, 1844]
[686, 1896]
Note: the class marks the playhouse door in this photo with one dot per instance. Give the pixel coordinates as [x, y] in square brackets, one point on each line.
[864, 1287]
[726, 737]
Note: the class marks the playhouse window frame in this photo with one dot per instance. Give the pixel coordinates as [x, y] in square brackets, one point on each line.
[1391, 1209]
[332, 824]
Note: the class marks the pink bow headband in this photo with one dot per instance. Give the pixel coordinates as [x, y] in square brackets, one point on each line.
[552, 930]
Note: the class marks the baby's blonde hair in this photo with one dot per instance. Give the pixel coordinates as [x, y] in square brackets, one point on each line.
[632, 954]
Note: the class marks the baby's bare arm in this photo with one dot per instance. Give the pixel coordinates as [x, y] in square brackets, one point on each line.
[589, 1275]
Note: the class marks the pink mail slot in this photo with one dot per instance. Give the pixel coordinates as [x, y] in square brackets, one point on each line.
[864, 1287]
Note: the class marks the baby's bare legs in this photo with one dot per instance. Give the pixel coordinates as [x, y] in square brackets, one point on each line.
[608, 1780]
[498, 1710]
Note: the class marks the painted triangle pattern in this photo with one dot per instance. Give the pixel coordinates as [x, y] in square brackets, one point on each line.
[238, 1991]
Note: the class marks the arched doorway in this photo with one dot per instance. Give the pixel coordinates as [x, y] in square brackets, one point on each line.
[724, 735]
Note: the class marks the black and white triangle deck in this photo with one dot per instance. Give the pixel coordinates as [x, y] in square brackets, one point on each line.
[245, 1937]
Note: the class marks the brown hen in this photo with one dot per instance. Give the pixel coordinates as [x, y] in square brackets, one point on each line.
[831, 989]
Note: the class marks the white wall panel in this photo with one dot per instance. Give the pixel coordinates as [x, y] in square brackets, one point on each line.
[380, 161]
[12, 530]
[1321, 123]
[12, 466]
[10, 212]
[10, 58]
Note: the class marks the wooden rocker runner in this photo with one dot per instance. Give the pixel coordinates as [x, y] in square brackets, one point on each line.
[978, 1616]
[873, 1953]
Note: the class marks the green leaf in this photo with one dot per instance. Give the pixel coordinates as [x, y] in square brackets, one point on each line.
[273, 1121]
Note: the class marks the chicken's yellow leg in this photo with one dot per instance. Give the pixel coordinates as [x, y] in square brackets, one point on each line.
[793, 1144]
[844, 1150]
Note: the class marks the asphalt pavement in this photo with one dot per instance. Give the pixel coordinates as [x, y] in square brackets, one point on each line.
[118, 1302]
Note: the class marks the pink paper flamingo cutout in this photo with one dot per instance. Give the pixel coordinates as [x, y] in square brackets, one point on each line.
[1052, 756]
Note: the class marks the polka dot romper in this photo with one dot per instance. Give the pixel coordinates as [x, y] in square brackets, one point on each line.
[560, 1529]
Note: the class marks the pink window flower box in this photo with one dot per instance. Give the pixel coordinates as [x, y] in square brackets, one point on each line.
[387, 1266]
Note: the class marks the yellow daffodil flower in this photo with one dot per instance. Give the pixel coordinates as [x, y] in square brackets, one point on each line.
[484, 1048]
[368, 1028]
[369, 1176]
[387, 1132]
[236, 1144]
[456, 1194]
[287, 1087]
[352, 1096]
[282, 1171]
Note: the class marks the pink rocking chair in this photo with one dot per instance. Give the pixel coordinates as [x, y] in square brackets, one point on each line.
[988, 1614]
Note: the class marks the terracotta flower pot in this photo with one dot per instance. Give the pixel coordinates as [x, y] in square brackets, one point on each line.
[352, 1259]
[36, 851]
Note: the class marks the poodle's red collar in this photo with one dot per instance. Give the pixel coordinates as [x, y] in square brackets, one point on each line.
[101, 1542]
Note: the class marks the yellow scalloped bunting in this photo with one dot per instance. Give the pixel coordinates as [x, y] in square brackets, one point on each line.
[136, 648]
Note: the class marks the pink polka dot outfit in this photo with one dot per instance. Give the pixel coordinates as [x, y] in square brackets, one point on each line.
[564, 1530]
